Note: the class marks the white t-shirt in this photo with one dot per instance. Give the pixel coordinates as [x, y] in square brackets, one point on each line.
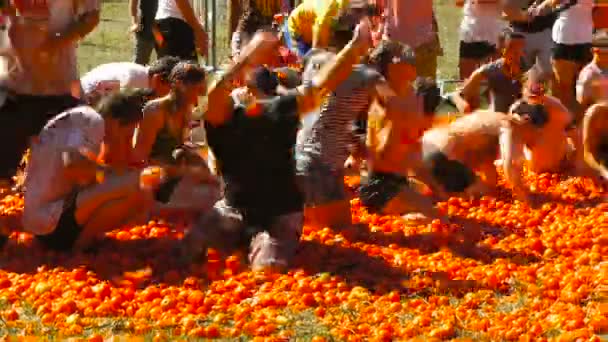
[168, 9]
[111, 77]
[592, 84]
[46, 186]
[575, 25]
[37, 71]
[481, 22]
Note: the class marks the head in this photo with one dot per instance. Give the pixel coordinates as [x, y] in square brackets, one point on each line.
[513, 44]
[429, 94]
[251, 21]
[527, 118]
[122, 112]
[188, 82]
[356, 10]
[158, 73]
[263, 82]
[534, 86]
[395, 61]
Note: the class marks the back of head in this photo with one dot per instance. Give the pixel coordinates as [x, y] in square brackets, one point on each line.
[430, 93]
[187, 73]
[386, 52]
[536, 114]
[264, 80]
[251, 20]
[163, 67]
[124, 106]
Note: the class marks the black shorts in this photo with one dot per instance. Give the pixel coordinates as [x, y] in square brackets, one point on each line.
[476, 50]
[579, 53]
[21, 118]
[177, 39]
[380, 189]
[453, 176]
[65, 235]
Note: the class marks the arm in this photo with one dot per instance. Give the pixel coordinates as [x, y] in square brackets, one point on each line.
[188, 12]
[83, 24]
[133, 10]
[331, 75]
[511, 150]
[590, 122]
[512, 12]
[147, 131]
[470, 90]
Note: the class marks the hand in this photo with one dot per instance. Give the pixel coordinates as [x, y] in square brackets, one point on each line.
[135, 28]
[151, 177]
[363, 35]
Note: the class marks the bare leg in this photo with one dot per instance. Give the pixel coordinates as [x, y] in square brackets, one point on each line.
[115, 187]
[564, 83]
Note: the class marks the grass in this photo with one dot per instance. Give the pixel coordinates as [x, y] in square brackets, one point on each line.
[111, 42]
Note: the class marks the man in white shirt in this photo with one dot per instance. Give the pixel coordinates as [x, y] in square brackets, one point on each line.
[71, 199]
[42, 74]
[592, 85]
[109, 78]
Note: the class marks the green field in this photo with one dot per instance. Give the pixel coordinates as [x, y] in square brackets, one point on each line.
[111, 42]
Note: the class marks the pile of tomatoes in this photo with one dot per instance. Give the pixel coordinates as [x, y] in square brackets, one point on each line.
[529, 274]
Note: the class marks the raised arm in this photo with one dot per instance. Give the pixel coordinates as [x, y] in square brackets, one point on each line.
[85, 20]
[335, 72]
[591, 123]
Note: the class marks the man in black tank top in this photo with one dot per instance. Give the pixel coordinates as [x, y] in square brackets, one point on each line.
[535, 28]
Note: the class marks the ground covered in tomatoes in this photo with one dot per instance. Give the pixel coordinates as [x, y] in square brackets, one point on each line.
[532, 274]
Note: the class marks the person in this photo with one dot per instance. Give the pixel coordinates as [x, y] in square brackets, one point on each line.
[181, 34]
[394, 145]
[572, 36]
[111, 77]
[254, 150]
[67, 204]
[414, 24]
[142, 20]
[310, 24]
[324, 146]
[595, 139]
[250, 22]
[480, 30]
[536, 28]
[550, 149]
[42, 73]
[592, 85]
[460, 156]
[503, 78]
[161, 140]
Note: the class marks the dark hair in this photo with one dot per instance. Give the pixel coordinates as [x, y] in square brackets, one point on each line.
[536, 114]
[187, 72]
[251, 21]
[430, 93]
[382, 56]
[264, 80]
[163, 67]
[124, 106]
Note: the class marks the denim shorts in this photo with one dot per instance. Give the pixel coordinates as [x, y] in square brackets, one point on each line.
[320, 183]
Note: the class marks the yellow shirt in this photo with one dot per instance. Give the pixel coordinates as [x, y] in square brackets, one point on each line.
[312, 20]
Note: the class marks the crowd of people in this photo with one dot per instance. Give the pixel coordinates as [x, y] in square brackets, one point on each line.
[112, 147]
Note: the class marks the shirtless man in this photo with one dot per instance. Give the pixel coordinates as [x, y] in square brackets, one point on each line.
[595, 138]
[460, 156]
[550, 149]
[394, 148]
[72, 200]
[503, 78]
[42, 74]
